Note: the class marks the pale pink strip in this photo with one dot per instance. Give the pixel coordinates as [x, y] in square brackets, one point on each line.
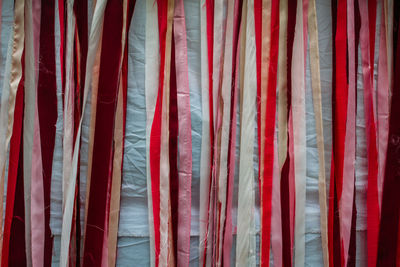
[346, 201]
[382, 105]
[185, 136]
[37, 198]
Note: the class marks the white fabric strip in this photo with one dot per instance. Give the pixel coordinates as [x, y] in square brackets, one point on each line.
[94, 37]
[299, 136]
[151, 86]
[246, 241]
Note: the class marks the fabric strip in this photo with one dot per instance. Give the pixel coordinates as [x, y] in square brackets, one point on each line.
[316, 91]
[185, 136]
[151, 86]
[299, 134]
[369, 107]
[11, 87]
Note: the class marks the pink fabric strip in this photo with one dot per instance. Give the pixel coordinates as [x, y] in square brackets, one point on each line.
[292, 185]
[369, 108]
[383, 103]
[185, 136]
[37, 198]
[346, 201]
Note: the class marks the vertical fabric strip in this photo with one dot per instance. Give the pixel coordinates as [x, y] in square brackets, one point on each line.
[316, 92]
[185, 136]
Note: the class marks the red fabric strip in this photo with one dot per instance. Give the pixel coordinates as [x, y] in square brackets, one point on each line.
[47, 111]
[210, 53]
[334, 222]
[269, 132]
[103, 136]
[155, 134]
[389, 226]
[14, 222]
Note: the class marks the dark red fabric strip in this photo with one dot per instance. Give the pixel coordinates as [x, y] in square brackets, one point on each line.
[47, 111]
[155, 134]
[372, 29]
[13, 251]
[173, 150]
[389, 226]
[61, 18]
[333, 223]
[103, 136]
[285, 200]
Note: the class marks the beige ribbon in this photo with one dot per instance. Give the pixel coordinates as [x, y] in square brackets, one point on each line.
[316, 91]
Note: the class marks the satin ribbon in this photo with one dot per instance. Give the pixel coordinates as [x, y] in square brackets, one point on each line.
[246, 239]
[369, 107]
[383, 103]
[299, 134]
[206, 16]
[151, 81]
[185, 136]
[316, 91]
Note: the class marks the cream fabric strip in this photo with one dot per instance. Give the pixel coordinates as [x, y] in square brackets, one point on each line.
[151, 88]
[246, 240]
[205, 140]
[316, 91]
[9, 94]
[68, 99]
[282, 83]
[225, 107]
[299, 136]
[70, 190]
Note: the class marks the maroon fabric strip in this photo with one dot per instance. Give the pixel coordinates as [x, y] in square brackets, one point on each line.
[14, 223]
[47, 111]
[102, 145]
[173, 150]
[285, 202]
[389, 227]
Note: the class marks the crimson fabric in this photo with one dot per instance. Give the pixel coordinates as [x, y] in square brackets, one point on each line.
[103, 136]
[14, 222]
[47, 112]
[389, 227]
[155, 134]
